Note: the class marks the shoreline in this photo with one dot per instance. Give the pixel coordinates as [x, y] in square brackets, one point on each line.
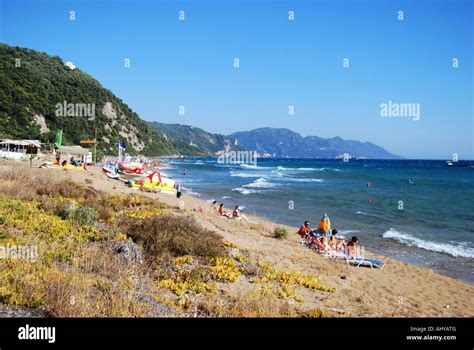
[399, 289]
[387, 240]
[371, 249]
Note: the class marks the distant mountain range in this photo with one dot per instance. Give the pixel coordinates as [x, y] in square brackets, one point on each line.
[284, 143]
[40, 94]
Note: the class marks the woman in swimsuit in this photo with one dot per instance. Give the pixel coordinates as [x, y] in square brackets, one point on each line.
[213, 208]
[237, 215]
[334, 242]
[223, 212]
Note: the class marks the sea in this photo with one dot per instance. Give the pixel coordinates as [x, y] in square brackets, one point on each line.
[416, 211]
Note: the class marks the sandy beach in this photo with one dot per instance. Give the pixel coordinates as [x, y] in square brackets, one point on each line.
[399, 289]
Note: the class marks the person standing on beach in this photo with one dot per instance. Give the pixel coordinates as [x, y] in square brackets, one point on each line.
[84, 162]
[178, 189]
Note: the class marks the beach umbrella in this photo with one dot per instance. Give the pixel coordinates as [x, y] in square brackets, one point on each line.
[325, 224]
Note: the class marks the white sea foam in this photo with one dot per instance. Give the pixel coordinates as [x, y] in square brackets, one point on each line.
[276, 174]
[226, 165]
[244, 191]
[452, 248]
[248, 166]
[260, 183]
[302, 179]
[246, 175]
[282, 168]
[326, 169]
[190, 192]
[294, 169]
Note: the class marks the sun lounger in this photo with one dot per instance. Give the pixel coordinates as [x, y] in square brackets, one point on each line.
[357, 260]
[343, 254]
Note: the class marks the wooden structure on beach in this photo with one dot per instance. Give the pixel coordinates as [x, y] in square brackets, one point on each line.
[17, 149]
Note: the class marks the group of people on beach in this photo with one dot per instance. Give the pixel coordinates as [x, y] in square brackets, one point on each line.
[220, 210]
[72, 161]
[309, 235]
[331, 243]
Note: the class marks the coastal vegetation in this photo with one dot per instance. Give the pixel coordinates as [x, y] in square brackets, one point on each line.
[115, 255]
[280, 232]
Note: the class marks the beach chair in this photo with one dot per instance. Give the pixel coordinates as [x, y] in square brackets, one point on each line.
[305, 240]
[357, 260]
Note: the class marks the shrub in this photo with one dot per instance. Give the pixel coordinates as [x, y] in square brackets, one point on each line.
[52, 205]
[23, 184]
[80, 215]
[105, 213]
[316, 313]
[165, 235]
[250, 304]
[85, 216]
[280, 232]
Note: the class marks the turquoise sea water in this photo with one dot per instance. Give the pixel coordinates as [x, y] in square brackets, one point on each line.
[416, 211]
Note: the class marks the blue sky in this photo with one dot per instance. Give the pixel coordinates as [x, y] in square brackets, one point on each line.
[282, 63]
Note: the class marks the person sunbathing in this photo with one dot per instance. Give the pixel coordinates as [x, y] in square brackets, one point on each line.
[222, 212]
[213, 208]
[334, 242]
[324, 240]
[237, 215]
[352, 245]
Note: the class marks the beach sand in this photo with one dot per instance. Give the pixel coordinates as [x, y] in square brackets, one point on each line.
[399, 289]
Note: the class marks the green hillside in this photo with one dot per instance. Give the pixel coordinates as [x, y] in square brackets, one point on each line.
[30, 92]
[194, 141]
